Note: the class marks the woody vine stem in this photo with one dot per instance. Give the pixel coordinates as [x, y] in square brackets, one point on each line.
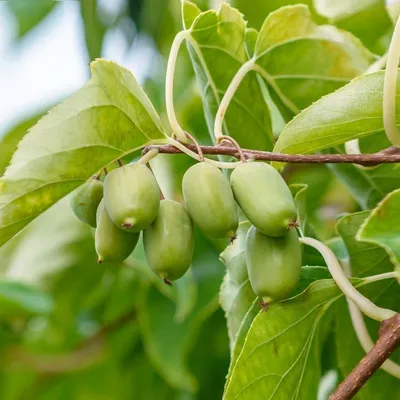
[390, 329]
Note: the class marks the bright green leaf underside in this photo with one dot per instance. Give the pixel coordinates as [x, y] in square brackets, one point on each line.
[108, 118]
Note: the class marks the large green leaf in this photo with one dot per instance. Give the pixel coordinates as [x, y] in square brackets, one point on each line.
[352, 112]
[9, 141]
[367, 186]
[28, 14]
[381, 227]
[217, 47]
[257, 10]
[365, 259]
[167, 340]
[267, 365]
[302, 61]
[358, 17]
[108, 118]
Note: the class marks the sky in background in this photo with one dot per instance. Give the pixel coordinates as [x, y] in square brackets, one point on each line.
[50, 63]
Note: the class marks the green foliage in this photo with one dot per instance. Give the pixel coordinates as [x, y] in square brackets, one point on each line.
[29, 14]
[278, 369]
[365, 259]
[302, 61]
[377, 229]
[217, 47]
[47, 167]
[355, 111]
[74, 329]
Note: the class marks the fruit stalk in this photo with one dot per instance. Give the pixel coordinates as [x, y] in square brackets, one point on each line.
[169, 85]
[364, 304]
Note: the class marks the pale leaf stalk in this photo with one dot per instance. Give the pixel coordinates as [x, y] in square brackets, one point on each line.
[389, 88]
[169, 85]
[190, 153]
[365, 305]
[377, 65]
[149, 156]
[353, 147]
[228, 96]
[360, 328]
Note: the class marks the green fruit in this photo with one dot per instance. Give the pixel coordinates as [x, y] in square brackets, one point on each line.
[264, 197]
[112, 243]
[210, 201]
[273, 263]
[132, 197]
[85, 200]
[169, 241]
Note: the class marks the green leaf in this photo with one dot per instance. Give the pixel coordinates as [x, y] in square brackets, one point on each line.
[10, 140]
[28, 14]
[19, 300]
[257, 10]
[55, 241]
[302, 61]
[217, 47]
[367, 186]
[108, 118]
[352, 112]
[94, 28]
[381, 226]
[365, 259]
[168, 341]
[267, 365]
[357, 17]
[236, 294]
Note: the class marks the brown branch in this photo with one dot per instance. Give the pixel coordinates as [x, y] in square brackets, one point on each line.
[389, 155]
[388, 341]
[84, 355]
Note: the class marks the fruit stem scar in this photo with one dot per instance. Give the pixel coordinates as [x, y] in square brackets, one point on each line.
[364, 304]
[167, 282]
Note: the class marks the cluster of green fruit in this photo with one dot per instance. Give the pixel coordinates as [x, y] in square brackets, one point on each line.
[129, 202]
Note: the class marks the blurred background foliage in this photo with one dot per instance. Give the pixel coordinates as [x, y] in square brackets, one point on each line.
[73, 329]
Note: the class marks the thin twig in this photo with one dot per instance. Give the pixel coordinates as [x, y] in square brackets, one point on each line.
[388, 341]
[387, 156]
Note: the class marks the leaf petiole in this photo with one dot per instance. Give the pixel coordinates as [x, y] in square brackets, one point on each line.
[365, 305]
